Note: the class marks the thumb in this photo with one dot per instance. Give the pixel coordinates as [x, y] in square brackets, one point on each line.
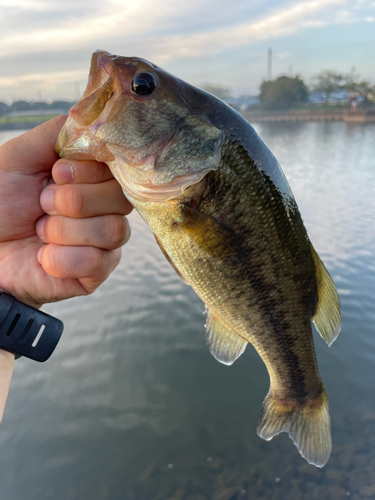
[33, 151]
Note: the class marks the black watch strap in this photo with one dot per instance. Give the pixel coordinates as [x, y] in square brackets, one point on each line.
[26, 331]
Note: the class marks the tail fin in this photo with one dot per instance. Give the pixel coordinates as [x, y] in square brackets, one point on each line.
[308, 425]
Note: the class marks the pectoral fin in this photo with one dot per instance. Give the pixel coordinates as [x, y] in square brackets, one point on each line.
[169, 259]
[327, 316]
[224, 343]
[214, 237]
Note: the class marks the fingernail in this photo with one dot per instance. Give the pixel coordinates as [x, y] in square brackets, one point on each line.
[64, 173]
[46, 200]
[40, 227]
[39, 255]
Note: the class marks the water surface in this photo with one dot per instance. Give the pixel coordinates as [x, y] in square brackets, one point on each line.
[133, 406]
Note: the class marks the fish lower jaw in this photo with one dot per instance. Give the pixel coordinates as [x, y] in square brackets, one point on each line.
[150, 192]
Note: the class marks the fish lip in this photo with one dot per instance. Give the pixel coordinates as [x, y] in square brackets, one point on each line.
[82, 144]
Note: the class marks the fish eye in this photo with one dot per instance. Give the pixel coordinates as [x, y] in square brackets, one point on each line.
[144, 84]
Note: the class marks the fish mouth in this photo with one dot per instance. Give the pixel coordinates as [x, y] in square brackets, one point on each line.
[81, 143]
[142, 171]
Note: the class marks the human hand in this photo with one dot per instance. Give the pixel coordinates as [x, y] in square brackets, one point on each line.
[83, 230]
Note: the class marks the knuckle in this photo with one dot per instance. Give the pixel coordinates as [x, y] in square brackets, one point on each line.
[59, 231]
[95, 260]
[51, 259]
[77, 201]
[69, 200]
[53, 229]
[62, 200]
[103, 262]
[116, 229]
[89, 171]
[116, 258]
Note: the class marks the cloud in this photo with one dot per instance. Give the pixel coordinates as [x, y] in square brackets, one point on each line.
[117, 21]
[47, 40]
[56, 77]
[82, 24]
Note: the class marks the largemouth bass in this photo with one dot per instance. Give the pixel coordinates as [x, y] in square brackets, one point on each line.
[224, 216]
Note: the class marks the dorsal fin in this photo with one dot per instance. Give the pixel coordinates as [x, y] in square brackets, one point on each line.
[327, 316]
[224, 343]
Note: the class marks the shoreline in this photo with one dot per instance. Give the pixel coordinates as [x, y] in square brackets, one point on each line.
[362, 116]
[20, 125]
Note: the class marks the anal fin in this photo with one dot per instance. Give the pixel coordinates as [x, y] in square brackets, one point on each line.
[327, 316]
[224, 343]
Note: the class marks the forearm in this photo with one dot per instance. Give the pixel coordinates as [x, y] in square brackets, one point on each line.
[6, 370]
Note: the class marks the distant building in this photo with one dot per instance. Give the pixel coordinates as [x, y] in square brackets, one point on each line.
[340, 97]
[243, 102]
[35, 112]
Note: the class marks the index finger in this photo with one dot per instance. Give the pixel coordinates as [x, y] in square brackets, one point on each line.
[34, 151]
[80, 172]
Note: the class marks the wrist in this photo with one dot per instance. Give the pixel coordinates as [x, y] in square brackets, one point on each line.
[29, 301]
[25, 331]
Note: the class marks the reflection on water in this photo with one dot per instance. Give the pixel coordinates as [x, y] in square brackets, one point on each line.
[133, 406]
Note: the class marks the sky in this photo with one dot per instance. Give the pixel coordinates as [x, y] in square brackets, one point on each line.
[46, 45]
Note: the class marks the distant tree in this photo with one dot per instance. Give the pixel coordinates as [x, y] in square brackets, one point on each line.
[64, 105]
[365, 90]
[371, 95]
[219, 91]
[327, 82]
[39, 105]
[353, 84]
[351, 80]
[4, 108]
[283, 93]
[21, 106]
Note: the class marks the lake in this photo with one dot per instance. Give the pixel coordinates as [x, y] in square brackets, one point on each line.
[132, 406]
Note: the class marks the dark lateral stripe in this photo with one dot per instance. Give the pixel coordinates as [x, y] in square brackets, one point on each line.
[286, 342]
[292, 237]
